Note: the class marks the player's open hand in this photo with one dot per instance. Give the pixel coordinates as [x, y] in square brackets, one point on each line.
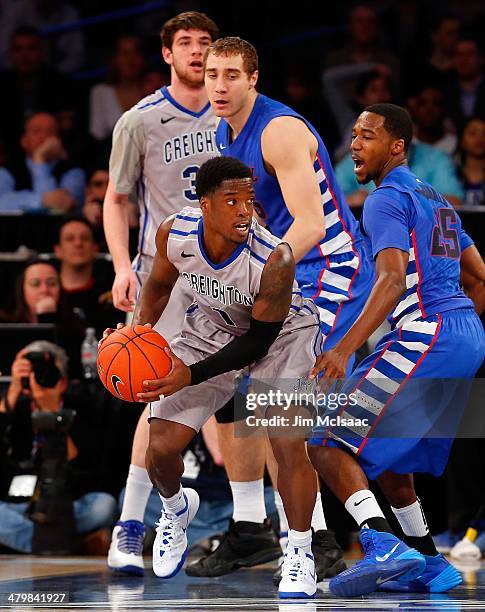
[178, 378]
[333, 364]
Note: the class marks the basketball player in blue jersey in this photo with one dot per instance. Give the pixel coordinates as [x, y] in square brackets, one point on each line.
[301, 203]
[420, 249]
[247, 311]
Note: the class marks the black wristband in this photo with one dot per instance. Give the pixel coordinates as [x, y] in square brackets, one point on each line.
[239, 353]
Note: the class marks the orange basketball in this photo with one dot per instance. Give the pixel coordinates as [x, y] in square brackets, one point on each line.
[128, 356]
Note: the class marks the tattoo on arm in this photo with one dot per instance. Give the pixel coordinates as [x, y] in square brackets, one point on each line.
[273, 301]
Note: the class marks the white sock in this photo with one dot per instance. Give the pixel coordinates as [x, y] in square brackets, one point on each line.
[412, 520]
[138, 489]
[278, 502]
[248, 500]
[300, 539]
[363, 506]
[174, 504]
[318, 517]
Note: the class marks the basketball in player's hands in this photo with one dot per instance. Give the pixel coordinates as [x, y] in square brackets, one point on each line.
[130, 355]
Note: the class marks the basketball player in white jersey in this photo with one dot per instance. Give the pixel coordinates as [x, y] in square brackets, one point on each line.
[247, 311]
[158, 146]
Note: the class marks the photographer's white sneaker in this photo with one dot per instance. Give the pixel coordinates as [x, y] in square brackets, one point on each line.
[170, 545]
[126, 549]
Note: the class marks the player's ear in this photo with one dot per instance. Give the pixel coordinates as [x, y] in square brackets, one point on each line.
[167, 55]
[203, 204]
[397, 147]
[253, 79]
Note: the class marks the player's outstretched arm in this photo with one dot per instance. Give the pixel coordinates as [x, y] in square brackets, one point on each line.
[389, 286]
[157, 288]
[116, 211]
[289, 151]
[269, 312]
[473, 276]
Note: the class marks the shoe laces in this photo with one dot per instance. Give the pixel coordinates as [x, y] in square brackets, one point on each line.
[294, 566]
[130, 537]
[168, 528]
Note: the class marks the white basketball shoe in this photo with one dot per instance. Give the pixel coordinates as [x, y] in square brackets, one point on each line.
[126, 549]
[170, 545]
[298, 575]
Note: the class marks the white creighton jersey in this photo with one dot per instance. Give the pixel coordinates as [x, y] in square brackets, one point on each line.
[224, 293]
[158, 146]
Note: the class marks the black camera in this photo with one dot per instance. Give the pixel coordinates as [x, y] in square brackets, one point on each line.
[59, 422]
[46, 373]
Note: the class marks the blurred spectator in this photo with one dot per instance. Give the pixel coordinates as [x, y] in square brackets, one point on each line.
[46, 430]
[67, 49]
[108, 101]
[372, 86]
[428, 163]
[429, 115]
[86, 293]
[465, 92]
[38, 298]
[153, 81]
[438, 62]
[471, 162]
[94, 198]
[363, 44]
[302, 94]
[44, 177]
[32, 85]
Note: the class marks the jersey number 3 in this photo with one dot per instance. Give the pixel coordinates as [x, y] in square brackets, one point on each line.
[189, 175]
[445, 238]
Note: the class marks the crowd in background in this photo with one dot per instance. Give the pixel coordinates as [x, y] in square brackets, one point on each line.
[63, 93]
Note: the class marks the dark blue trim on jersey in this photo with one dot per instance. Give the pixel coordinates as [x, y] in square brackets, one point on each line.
[179, 233]
[151, 103]
[167, 95]
[253, 254]
[235, 254]
[145, 221]
[185, 218]
[263, 242]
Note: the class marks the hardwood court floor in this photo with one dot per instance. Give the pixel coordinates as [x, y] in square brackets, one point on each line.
[88, 584]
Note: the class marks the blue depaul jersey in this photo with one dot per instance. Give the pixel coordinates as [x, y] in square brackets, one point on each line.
[408, 214]
[342, 230]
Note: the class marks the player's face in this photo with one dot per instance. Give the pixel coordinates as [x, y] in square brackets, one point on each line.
[76, 245]
[371, 147]
[185, 56]
[40, 281]
[229, 209]
[227, 83]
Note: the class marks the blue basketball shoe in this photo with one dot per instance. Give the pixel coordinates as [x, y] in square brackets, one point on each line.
[438, 576]
[385, 558]
[126, 550]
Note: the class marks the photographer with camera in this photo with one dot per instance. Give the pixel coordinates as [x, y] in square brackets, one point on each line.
[49, 474]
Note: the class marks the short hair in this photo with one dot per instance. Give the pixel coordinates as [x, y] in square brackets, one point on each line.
[233, 45]
[59, 354]
[397, 121]
[190, 20]
[77, 219]
[214, 171]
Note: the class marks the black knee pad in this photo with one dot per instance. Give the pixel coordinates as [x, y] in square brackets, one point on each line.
[232, 412]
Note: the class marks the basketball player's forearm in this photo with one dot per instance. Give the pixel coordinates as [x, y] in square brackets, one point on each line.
[152, 302]
[117, 230]
[382, 300]
[303, 235]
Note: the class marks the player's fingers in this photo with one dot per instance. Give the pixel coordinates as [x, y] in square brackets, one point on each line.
[132, 289]
[318, 367]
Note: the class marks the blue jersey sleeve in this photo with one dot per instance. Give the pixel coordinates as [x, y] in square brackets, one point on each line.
[388, 219]
[465, 240]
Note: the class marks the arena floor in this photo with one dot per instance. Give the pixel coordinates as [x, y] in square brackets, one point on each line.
[89, 584]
